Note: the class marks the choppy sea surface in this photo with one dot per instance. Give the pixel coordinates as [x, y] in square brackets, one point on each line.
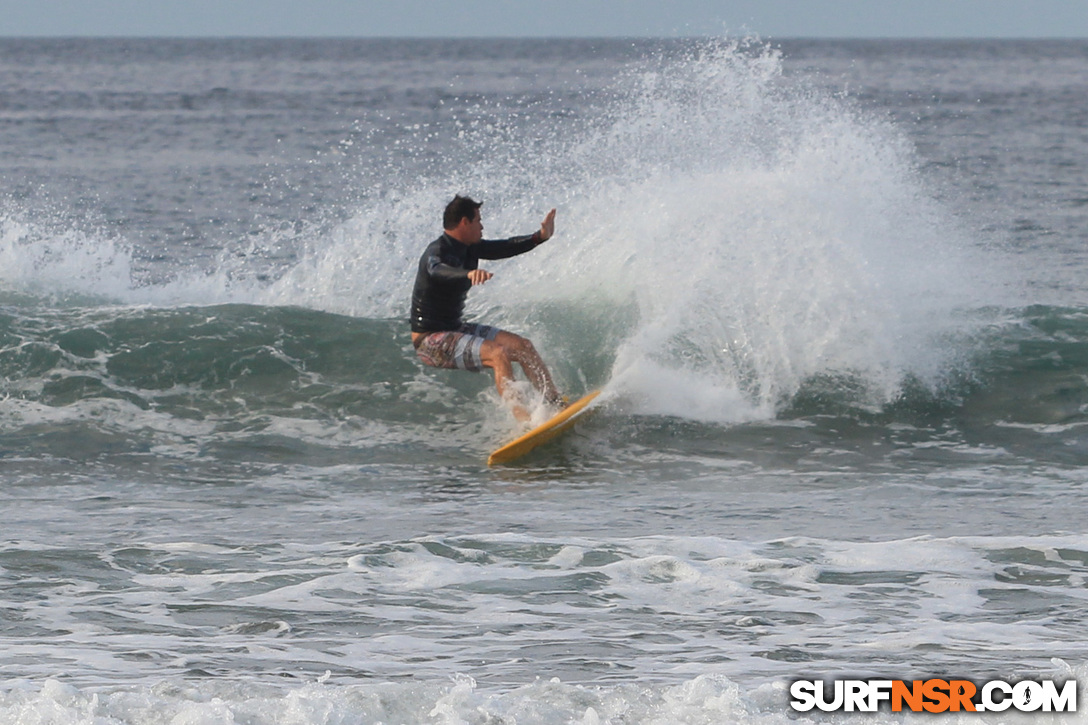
[834, 291]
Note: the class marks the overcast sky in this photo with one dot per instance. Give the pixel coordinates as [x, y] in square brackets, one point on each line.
[535, 18]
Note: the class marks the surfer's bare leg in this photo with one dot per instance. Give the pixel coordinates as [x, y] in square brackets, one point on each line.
[507, 348]
[504, 375]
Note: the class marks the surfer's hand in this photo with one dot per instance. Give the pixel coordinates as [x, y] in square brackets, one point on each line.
[478, 276]
[547, 227]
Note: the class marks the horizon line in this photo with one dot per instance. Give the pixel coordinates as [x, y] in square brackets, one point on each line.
[704, 36]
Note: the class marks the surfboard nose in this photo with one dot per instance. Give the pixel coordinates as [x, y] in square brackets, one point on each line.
[556, 425]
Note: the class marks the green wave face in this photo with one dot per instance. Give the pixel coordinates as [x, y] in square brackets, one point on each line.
[318, 386]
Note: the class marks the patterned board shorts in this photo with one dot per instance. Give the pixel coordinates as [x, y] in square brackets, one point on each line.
[456, 348]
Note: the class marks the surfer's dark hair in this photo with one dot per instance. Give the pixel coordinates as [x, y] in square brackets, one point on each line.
[460, 208]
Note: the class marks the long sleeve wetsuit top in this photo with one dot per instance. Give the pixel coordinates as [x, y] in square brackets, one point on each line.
[442, 284]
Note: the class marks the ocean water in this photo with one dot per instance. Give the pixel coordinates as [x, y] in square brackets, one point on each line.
[834, 293]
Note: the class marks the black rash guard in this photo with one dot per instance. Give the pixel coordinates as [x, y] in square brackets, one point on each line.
[442, 284]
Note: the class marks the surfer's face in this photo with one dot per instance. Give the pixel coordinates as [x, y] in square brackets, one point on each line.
[473, 230]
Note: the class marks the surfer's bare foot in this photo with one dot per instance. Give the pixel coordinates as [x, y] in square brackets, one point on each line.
[557, 401]
[521, 415]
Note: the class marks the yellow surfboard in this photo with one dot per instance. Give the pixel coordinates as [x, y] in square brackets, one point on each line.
[543, 433]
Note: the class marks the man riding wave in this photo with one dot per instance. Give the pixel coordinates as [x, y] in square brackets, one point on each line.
[447, 270]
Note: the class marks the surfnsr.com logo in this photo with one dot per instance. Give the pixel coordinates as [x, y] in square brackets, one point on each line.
[933, 696]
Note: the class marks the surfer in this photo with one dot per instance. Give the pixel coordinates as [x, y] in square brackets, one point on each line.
[448, 268]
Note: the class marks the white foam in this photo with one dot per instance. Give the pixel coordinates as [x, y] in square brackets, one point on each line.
[507, 607]
[702, 700]
[39, 259]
